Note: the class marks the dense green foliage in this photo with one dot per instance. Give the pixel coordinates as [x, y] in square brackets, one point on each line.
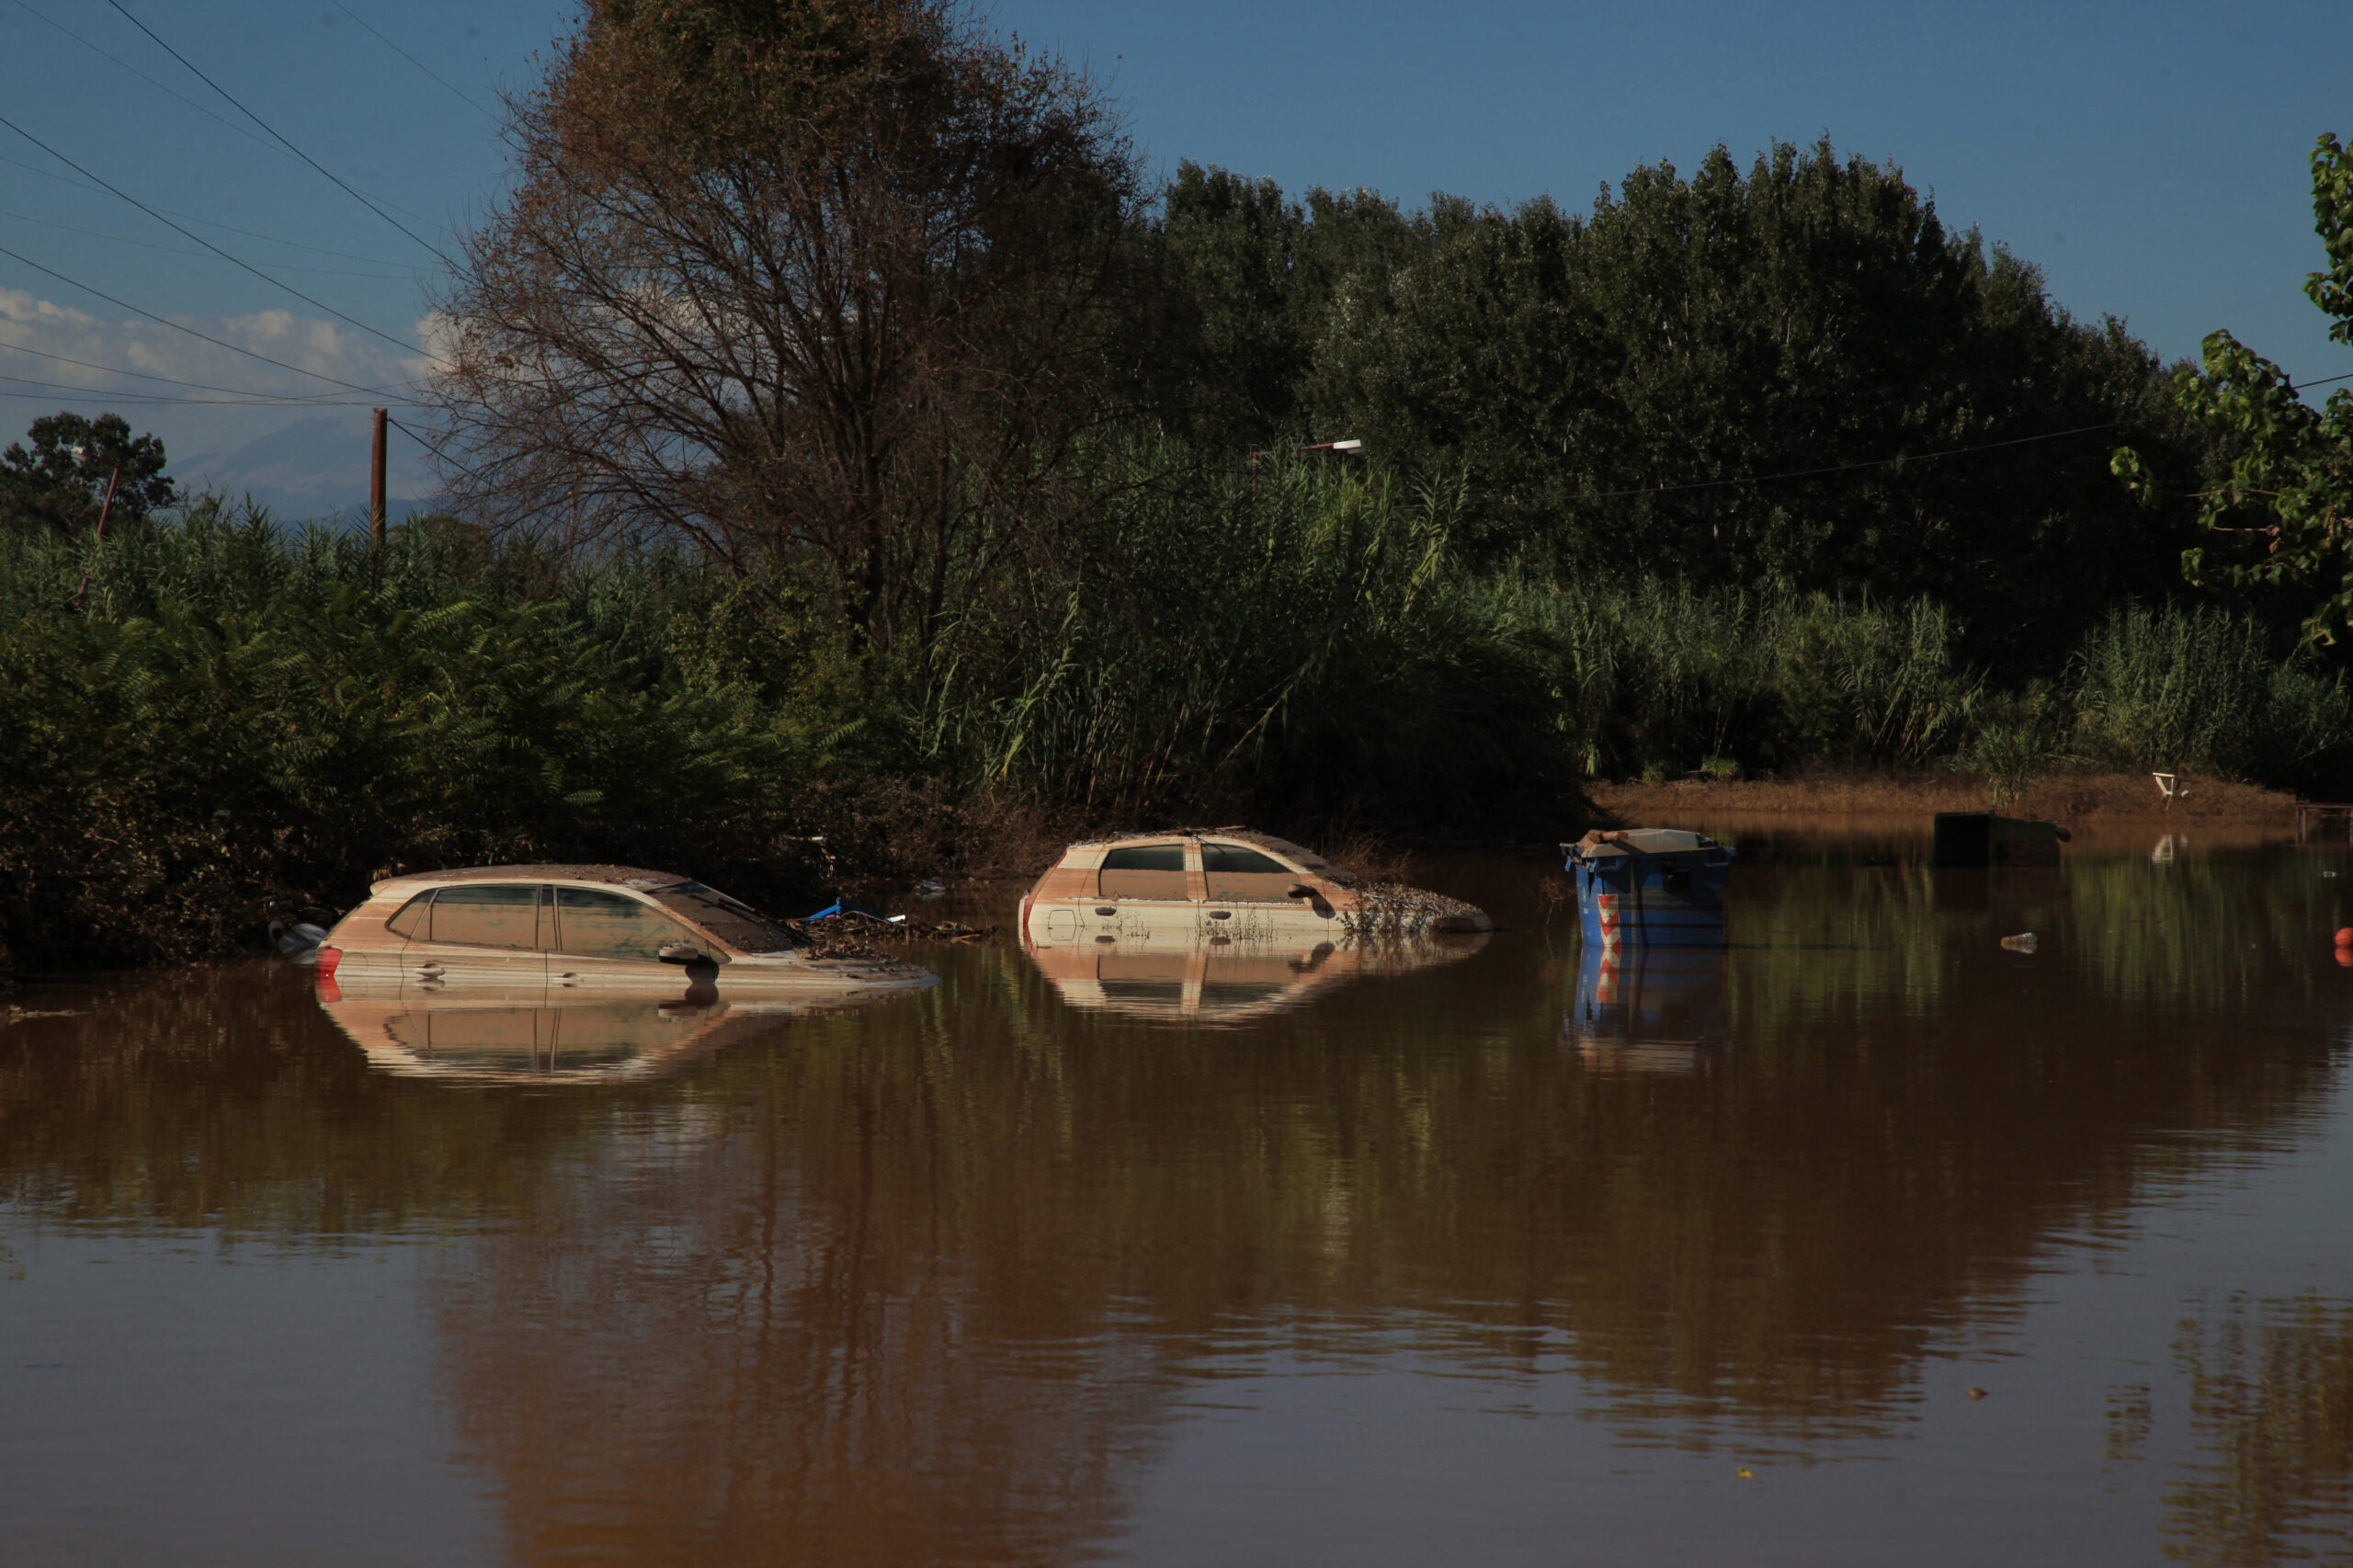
[1622, 387]
[2290, 483]
[240, 719]
[59, 477]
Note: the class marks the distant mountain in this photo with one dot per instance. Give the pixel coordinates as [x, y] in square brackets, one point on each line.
[313, 468]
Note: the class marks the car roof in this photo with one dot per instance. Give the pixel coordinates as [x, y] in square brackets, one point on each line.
[633, 877]
[1239, 834]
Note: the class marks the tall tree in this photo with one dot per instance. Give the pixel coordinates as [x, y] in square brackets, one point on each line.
[2289, 488]
[1723, 376]
[830, 285]
[60, 480]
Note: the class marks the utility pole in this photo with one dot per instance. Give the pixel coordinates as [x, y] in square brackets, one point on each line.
[376, 486]
[105, 506]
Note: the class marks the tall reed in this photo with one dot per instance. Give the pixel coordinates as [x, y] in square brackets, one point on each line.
[2201, 690]
[1300, 641]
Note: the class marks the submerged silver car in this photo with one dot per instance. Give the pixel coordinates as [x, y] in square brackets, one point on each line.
[616, 929]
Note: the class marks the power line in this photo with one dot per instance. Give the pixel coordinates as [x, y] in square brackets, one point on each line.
[160, 320]
[125, 64]
[1910, 457]
[404, 54]
[146, 376]
[137, 400]
[178, 250]
[207, 244]
[207, 222]
[438, 456]
[91, 395]
[281, 140]
[1845, 467]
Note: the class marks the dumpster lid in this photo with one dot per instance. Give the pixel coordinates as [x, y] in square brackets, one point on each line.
[1642, 841]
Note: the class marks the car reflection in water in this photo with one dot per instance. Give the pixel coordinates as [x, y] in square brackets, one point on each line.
[532, 1036]
[1234, 980]
[1643, 1009]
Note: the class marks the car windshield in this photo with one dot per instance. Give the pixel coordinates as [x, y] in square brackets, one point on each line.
[737, 923]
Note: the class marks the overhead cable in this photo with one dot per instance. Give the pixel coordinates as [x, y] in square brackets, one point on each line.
[281, 140]
[439, 455]
[126, 65]
[147, 376]
[179, 250]
[161, 320]
[1840, 468]
[159, 402]
[98, 395]
[1893, 462]
[207, 222]
[404, 54]
[275, 283]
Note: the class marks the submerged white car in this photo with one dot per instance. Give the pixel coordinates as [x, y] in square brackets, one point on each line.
[1222, 885]
[620, 930]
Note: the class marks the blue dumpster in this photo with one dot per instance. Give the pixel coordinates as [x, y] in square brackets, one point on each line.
[1647, 1010]
[1657, 887]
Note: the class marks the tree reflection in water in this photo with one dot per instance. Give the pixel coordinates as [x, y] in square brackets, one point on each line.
[2271, 1387]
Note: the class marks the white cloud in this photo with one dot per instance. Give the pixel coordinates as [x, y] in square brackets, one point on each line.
[53, 357]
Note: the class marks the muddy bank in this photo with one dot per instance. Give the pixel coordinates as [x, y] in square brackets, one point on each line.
[2100, 802]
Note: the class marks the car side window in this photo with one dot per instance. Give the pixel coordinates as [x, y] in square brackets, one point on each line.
[498, 914]
[1237, 872]
[596, 925]
[1242, 860]
[1144, 870]
[414, 919]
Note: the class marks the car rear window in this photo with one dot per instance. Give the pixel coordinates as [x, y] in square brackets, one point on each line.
[733, 922]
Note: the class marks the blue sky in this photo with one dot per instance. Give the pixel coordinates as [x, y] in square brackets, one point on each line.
[2151, 158]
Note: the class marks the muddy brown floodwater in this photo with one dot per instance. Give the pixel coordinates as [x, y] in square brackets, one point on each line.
[1865, 1242]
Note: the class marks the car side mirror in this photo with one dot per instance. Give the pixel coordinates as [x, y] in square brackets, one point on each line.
[1299, 890]
[679, 952]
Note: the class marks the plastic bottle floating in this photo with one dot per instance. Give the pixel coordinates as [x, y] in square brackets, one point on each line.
[2021, 943]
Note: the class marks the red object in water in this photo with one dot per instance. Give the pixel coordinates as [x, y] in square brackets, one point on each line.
[330, 992]
[2345, 937]
[330, 957]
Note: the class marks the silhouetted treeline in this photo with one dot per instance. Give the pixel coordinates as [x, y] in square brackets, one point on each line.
[1624, 391]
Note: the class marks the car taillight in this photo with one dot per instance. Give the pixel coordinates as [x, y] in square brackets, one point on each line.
[328, 990]
[328, 959]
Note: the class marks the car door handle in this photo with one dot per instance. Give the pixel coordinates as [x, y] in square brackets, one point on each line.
[568, 977]
[428, 968]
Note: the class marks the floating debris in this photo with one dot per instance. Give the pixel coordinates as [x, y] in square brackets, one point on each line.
[2021, 943]
[853, 934]
[1390, 909]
